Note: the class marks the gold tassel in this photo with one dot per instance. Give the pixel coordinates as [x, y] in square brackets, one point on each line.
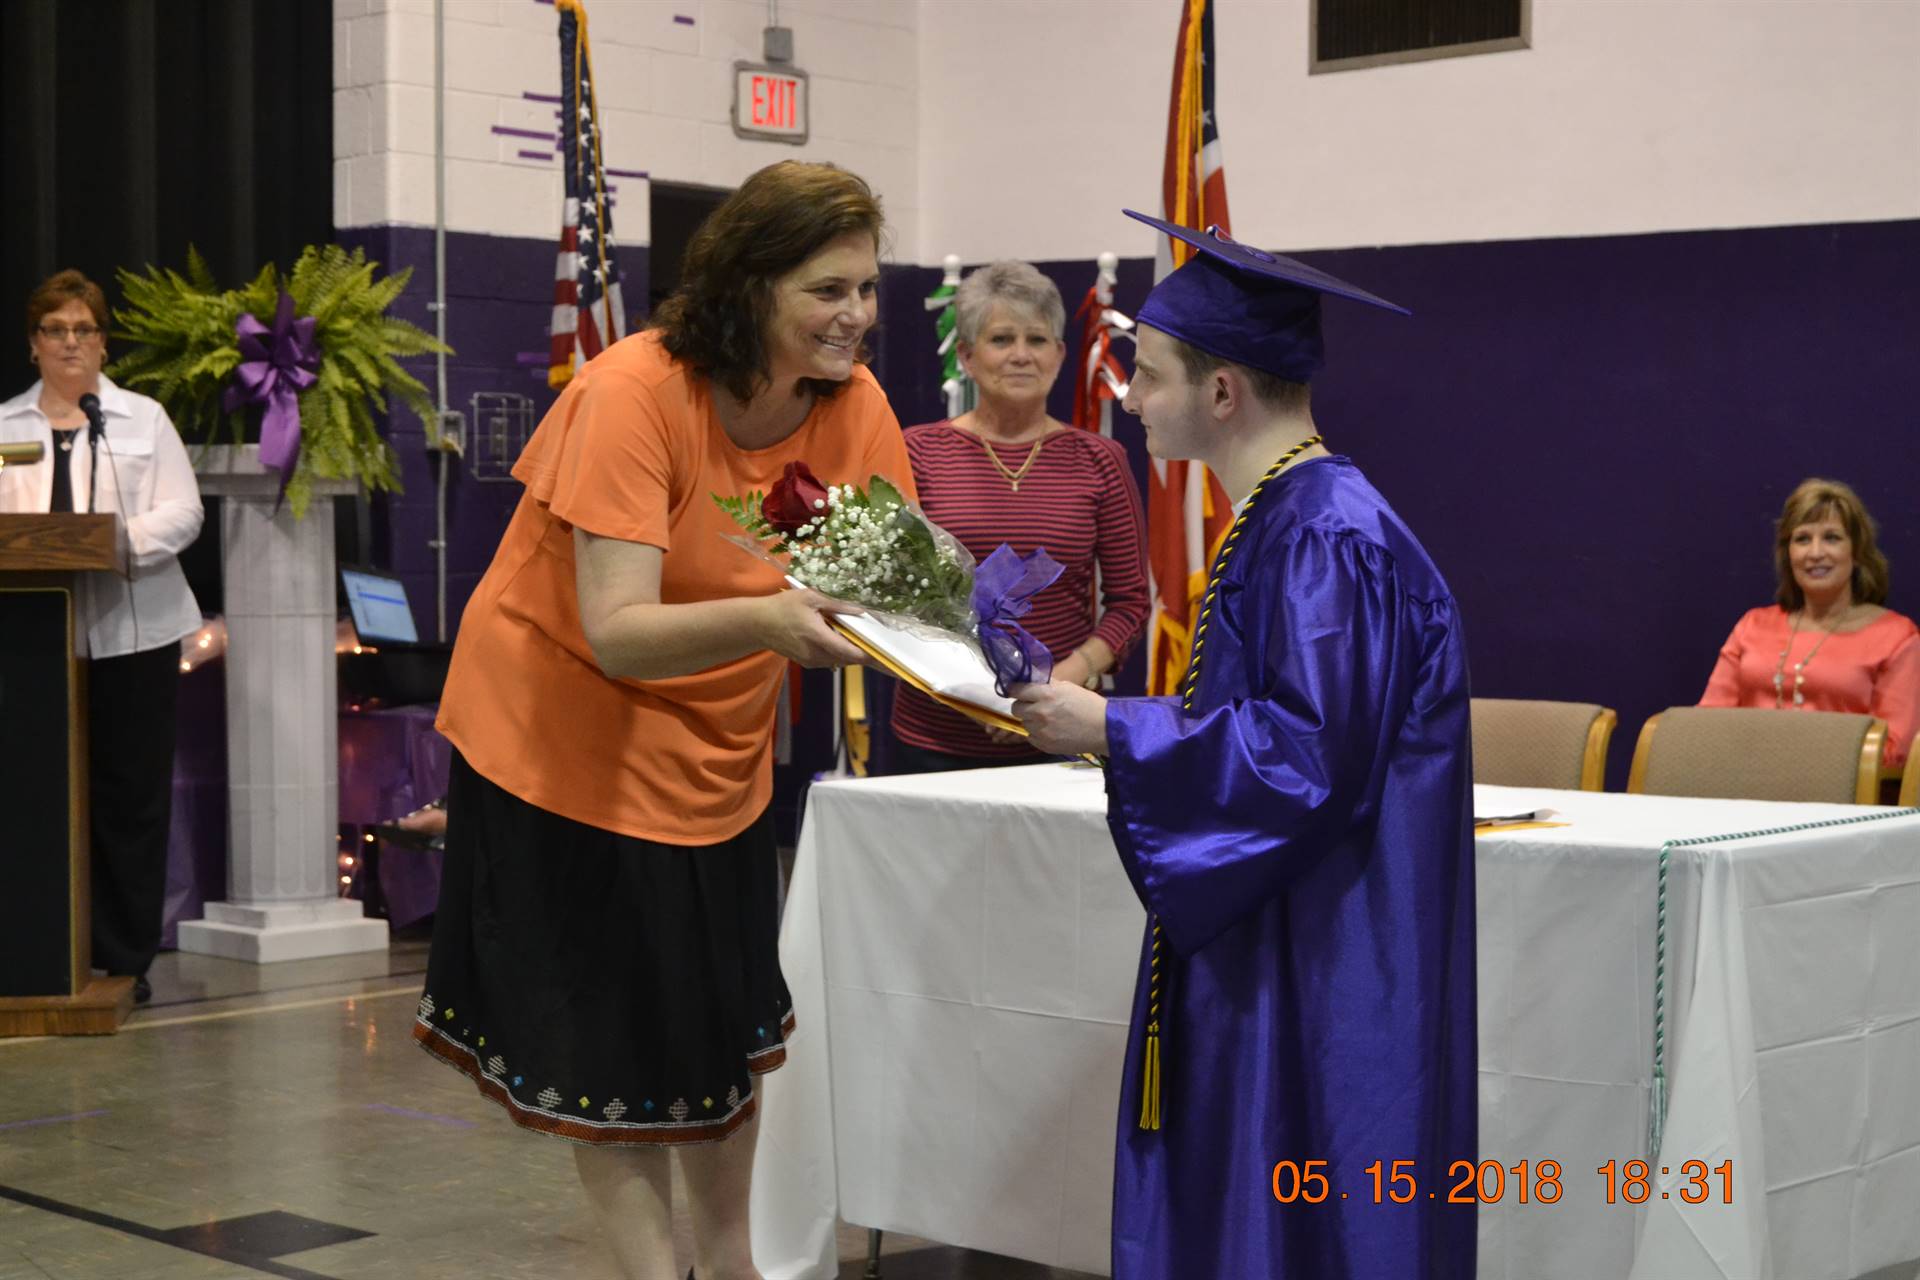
[1150, 1083]
[1150, 1077]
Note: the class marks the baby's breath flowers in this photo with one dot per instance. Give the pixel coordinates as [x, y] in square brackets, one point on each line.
[871, 547]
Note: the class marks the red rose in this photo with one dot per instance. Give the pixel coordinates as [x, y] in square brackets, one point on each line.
[798, 498]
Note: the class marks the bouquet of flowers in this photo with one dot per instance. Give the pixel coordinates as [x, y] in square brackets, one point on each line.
[874, 548]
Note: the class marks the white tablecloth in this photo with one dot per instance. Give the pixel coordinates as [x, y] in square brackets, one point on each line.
[961, 952]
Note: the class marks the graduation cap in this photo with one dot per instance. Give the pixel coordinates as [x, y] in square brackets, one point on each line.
[1246, 305]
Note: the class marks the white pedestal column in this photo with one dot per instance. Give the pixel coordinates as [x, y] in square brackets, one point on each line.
[283, 757]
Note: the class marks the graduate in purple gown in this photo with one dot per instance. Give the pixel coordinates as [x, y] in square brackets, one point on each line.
[1298, 824]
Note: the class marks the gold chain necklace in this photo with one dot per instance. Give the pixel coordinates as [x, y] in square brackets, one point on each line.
[1013, 478]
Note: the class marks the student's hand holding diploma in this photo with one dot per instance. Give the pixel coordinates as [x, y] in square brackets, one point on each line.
[1062, 719]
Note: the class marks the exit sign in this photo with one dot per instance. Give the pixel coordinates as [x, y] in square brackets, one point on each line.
[769, 102]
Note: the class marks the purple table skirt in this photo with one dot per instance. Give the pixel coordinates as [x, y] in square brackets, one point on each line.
[197, 838]
[392, 761]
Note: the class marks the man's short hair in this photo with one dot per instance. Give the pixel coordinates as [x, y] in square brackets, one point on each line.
[1274, 391]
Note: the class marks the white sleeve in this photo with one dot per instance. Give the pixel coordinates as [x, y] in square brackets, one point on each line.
[170, 524]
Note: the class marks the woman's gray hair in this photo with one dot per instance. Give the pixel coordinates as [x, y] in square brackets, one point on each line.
[1019, 285]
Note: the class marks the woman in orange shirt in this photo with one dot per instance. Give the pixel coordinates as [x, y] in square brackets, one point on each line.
[1830, 643]
[605, 961]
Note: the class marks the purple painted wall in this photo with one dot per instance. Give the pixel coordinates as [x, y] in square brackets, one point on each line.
[499, 305]
[1592, 435]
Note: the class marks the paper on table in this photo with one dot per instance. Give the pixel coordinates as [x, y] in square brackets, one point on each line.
[1520, 821]
[948, 670]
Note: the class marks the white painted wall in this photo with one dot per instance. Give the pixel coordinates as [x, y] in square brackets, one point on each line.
[1020, 127]
[1040, 120]
[664, 88]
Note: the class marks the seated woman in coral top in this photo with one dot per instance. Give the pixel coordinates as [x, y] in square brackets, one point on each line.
[1830, 643]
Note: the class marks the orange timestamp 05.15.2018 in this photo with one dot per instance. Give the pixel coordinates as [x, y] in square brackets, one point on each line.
[1531, 1181]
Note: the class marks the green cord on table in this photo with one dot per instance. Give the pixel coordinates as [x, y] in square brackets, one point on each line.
[1658, 1119]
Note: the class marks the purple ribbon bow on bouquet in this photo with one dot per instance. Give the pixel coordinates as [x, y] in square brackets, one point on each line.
[277, 364]
[1003, 590]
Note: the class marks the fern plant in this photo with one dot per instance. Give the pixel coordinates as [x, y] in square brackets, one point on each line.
[182, 348]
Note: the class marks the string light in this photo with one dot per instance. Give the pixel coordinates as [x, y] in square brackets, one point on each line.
[208, 643]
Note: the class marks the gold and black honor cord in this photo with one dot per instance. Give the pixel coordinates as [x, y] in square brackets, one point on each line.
[1156, 967]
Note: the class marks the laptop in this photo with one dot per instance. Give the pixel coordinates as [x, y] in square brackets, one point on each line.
[381, 614]
[395, 668]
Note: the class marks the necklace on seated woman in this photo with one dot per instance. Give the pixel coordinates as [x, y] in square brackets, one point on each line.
[1800, 667]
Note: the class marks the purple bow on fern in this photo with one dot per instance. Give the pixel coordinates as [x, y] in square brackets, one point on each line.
[1003, 590]
[277, 364]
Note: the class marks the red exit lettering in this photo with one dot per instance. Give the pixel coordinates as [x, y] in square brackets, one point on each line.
[773, 103]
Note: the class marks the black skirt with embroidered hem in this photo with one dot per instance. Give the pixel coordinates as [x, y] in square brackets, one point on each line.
[601, 988]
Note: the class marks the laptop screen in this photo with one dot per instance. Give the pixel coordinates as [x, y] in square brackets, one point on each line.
[379, 605]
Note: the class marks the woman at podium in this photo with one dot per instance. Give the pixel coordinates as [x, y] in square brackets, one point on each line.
[111, 450]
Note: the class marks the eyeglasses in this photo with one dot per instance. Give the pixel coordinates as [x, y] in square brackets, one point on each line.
[60, 332]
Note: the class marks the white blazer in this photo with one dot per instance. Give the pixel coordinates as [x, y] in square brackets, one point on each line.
[146, 475]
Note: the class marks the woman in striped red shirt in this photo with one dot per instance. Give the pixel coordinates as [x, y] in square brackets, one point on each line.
[1006, 472]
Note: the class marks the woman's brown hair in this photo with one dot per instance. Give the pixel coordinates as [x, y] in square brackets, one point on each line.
[716, 321]
[57, 290]
[1817, 499]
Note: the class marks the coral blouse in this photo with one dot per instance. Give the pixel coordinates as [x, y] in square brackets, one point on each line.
[1875, 671]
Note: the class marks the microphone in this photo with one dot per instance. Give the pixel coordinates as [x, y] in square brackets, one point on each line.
[96, 427]
[96, 431]
[96, 421]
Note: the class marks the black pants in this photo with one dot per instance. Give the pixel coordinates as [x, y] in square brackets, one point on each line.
[130, 732]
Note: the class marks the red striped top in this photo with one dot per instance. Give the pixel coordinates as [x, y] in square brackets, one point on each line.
[1078, 501]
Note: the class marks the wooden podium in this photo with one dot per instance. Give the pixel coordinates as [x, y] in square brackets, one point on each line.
[46, 982]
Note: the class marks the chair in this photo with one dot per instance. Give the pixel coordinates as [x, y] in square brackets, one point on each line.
[854, 722]
[1519, 742]
[1910, 781]
[1746, 753]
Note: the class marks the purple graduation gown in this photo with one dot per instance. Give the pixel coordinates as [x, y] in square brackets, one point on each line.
[1305, 838]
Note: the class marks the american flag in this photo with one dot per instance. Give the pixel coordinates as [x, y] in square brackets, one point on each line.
[588, 315]
[1187, 510]
[1100, 380]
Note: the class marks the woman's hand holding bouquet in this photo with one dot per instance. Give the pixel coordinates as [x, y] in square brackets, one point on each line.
[873, 548]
